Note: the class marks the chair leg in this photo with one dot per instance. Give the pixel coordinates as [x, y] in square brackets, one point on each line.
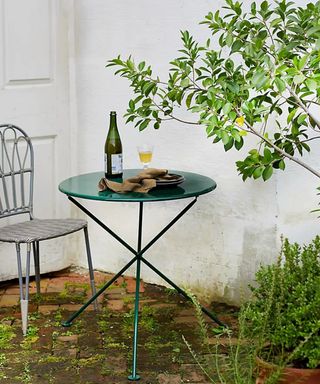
[36, 257]
[91, 274]
[24, 297]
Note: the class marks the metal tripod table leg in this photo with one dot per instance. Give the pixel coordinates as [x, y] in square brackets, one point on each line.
[68, 323]
[182, 292]
[134, 376]
[138, 257]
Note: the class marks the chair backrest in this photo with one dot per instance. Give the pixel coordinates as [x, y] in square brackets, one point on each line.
[16, 172]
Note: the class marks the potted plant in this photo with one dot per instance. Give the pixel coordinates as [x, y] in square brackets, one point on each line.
[279, 326]
[283, 316]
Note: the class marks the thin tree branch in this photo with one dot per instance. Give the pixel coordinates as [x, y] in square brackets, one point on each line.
[302, 106]
[174, 117]
[314, 102]
[311, 138]
[283, 153]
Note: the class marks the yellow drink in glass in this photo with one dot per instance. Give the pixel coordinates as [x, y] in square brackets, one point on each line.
[145, 154]
[145, 157]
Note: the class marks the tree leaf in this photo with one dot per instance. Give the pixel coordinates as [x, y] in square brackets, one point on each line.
[144, 124]
[189, 99]
[267, 173]
[141, 65]
[232, 115]
[229, 145]
[236, 46]
[291, 115]
[301, 118]
[264, 6]
[224, 137]
[267, 155]
[259, 79]
[239, 144]
[303, 61]
[184, 83]
[148, 87]
[229, 39]
[311, 84]
[258, 172]
[227, 108]
[280, 84]
[298, 79]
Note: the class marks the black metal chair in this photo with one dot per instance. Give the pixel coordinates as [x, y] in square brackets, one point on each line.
[16, 197]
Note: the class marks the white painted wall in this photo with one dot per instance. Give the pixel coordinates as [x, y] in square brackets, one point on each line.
[216, 248]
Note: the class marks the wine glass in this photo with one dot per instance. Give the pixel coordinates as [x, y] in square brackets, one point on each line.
[145, 152]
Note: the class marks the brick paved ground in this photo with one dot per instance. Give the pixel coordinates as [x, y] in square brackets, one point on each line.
[97, 348]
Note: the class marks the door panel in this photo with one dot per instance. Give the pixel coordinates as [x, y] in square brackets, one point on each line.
[27, 27]
[34, 94]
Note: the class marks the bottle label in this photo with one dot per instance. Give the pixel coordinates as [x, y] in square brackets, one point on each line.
[116, 163]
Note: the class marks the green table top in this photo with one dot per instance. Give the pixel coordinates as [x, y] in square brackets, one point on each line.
[86, 187]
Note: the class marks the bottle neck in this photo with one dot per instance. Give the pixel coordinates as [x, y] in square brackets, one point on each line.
[113, 121]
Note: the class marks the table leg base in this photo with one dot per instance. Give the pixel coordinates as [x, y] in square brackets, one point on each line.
[66, 324]
[133, 378]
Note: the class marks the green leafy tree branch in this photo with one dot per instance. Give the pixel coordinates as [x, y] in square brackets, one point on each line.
[263, 80]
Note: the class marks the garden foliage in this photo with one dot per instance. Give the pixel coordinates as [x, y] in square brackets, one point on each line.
[258, 73]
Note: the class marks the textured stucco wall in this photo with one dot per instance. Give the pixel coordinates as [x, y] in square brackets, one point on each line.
[216, 248]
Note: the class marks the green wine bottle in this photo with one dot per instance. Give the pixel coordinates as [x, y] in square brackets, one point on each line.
[113, 150]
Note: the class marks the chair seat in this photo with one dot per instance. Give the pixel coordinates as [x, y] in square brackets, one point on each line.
[37, 230]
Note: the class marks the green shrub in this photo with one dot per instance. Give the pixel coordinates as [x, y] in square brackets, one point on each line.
[284, 314]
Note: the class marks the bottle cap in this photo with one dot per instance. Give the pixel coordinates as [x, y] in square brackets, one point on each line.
[113, 113]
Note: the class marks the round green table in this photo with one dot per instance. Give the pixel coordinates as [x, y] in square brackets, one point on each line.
[86, 187]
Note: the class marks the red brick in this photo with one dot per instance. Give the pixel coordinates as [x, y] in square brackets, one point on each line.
[6, 322]
[9, 300]
[169, 379]
[77, 279]
[32, 307]
[101, 277]
[75, 307]
[13, 290]
[115, 305]
[148, 301]
[162, 305]
[71, 352]
[51, 288]
[72, 339]
[43, 284]
[131, 285]
[131, 306]
[118, 291]
[119, 282]
[141, 303]
[46, 309]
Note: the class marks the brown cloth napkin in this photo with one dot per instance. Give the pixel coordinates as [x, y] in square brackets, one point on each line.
[142, 182]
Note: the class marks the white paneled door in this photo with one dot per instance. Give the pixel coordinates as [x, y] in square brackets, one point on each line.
[34, 94]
